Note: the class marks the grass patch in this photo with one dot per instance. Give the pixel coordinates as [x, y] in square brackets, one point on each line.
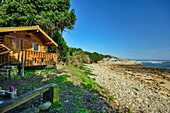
[89, 83]
[57, 105]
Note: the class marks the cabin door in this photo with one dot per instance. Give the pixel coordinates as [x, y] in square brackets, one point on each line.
[17, 45]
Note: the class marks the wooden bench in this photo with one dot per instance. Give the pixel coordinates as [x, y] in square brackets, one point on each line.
[50, 93]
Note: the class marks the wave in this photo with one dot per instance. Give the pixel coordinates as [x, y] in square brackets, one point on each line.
[153, 62]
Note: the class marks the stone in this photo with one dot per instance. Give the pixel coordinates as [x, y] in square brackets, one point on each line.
[66, 101]
[41, 72]
[31, 110]
[142, 96]
[2, 92]
[1, 102]
[45, 106]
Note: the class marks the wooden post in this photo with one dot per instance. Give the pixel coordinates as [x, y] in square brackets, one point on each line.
[55, 66]
[19, 69]
[53, 94]
[22, 71]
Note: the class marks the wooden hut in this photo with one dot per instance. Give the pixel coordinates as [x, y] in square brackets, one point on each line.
[25, 46]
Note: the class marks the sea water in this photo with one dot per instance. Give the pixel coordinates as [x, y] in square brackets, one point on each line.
[155, 64]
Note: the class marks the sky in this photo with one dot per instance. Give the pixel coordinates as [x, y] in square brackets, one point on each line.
[131, 29]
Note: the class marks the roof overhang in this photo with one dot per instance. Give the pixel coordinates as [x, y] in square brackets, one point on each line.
[32, 29]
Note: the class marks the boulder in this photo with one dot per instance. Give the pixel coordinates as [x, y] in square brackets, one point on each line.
[45, 106]
[86, 59]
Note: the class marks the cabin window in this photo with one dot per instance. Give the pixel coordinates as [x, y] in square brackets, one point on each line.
[35, 46]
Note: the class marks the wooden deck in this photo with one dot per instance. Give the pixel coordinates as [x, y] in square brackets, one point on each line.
[26, 58]
[33, 58]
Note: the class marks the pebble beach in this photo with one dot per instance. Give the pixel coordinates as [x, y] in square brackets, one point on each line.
[141, 90]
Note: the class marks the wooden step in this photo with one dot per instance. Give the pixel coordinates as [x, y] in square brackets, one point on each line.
[7, 66]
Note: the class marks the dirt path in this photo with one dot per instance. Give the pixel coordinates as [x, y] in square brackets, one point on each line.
[132, 92]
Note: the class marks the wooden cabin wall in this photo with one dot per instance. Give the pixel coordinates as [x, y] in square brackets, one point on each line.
[15, 44]
[8, 42]
[28, 36]
[27, 45]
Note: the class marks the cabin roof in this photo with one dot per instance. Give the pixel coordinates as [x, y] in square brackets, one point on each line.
[33, 29]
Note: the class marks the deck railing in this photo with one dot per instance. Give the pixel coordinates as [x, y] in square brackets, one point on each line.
[35, 58]
[4, 57]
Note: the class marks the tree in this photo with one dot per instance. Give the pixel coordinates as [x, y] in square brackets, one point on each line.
[51, 15]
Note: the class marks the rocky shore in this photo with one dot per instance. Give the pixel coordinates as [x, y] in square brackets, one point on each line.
[117, 61]
[141, 90]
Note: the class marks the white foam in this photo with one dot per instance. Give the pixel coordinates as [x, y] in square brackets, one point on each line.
[153, 62]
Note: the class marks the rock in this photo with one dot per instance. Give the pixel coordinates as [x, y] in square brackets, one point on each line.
[87, 59]
[109, 61]
[1, 102]
[66, 101]
[41, 72]
[2, 92]
[31, 110]
[45, 106]
[130, 87]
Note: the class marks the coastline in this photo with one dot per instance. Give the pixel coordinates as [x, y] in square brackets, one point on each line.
[142, 90]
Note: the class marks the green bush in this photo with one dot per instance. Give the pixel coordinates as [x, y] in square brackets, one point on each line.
[82, 68]
[75, 65]
[16, 77]
[57, 105]
[24, 77]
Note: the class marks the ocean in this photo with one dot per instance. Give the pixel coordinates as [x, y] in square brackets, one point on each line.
[155, 64]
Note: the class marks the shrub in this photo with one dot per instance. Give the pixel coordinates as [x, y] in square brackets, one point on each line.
[16, 77]
[24, 77]
[82, 68]
[75, 65]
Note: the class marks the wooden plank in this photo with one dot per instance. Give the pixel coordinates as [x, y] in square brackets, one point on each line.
[14, 37]
[24, 57]
[5, 52]
[4, 63]
[27, 62]
[5, 47]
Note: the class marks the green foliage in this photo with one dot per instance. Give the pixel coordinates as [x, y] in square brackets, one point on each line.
[57, 105]
[24, 77]
[136, 88]
[82, 68]
[111, 99]
[129, 110]
[16, 77]
[84, 111]
[94, 57]
[51, 15]
[75, 65]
